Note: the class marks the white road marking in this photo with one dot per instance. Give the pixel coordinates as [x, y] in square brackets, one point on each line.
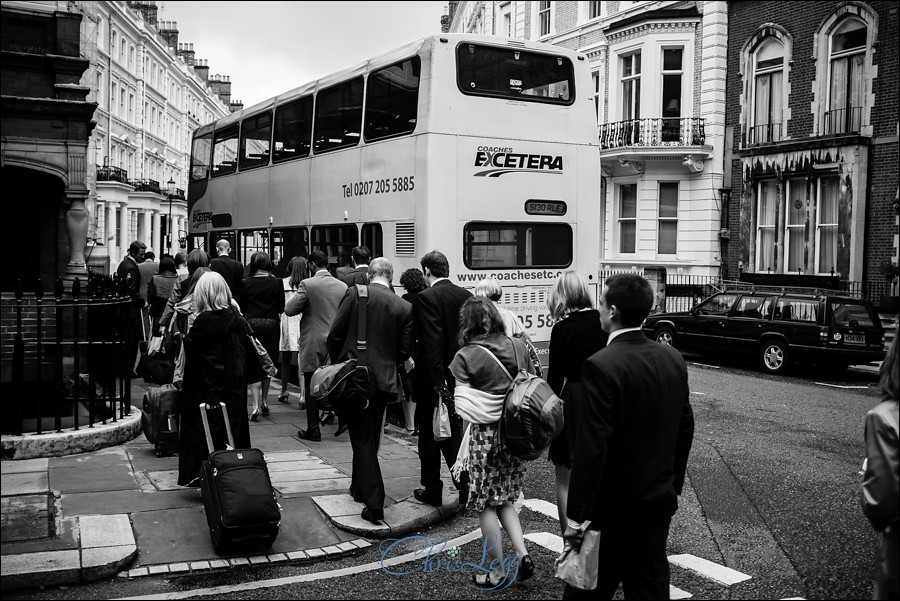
[705, 365]
[709, 569]
[543, 507]
[844, 387]
[549, 541]
[700, 393]
[249, 586]
[677, 593]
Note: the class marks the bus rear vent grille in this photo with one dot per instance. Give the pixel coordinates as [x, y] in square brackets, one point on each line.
[406, 239]
[538, 297]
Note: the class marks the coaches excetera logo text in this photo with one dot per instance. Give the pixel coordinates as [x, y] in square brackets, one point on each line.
[504, 161]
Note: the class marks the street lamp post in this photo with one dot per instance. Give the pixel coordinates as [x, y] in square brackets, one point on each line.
[170, 185]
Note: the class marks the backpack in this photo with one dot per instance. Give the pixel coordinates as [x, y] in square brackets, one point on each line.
[532, 414]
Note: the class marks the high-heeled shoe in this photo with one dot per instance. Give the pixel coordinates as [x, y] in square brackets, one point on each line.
[255, 415]
[485, 581]
[265, 409]
[284, 397]
[526, 568]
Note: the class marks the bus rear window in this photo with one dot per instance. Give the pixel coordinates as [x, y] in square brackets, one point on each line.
[392, 100]
[514, 73]
[492, 245]
[200, 152]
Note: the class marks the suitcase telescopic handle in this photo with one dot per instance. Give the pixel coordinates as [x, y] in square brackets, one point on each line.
[209, 441]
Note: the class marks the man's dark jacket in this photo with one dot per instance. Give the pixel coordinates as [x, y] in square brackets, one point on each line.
[231, 270]
[438, 323]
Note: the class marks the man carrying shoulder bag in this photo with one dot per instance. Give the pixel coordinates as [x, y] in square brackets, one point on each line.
[387, 342]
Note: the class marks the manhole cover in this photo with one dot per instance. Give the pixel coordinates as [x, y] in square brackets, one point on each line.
[27, 517]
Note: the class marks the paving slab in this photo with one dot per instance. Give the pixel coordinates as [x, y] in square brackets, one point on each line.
[111, 456]
[278, 444]
[105, 531]
[23, 466]
[308, 487]
[338, 505]
[325, 472]
[66, 539]
[264, 431]
[296, 466]
[40, 569]
[126, 501]
[399, 468]
[92, 478]
[26, 518]
[290, 456]
[28, 483]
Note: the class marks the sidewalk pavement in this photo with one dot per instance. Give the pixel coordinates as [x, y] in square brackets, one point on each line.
[118, 510]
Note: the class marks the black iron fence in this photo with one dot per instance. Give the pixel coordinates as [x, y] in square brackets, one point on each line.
[64, 364]
[680, 131]
[112, 174]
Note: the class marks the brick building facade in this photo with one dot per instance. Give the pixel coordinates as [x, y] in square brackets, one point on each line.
[812, 114]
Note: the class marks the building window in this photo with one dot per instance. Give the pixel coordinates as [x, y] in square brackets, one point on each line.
[631, 86]
[506, 20]
[114, 89]
[667, 243]
[671, 94]
[131, 58]
[594, 9]
[827, 224]
[595, 76]
[846, 68]
[122, 102]
[795, 225]
[627, 218]
[768, 82]
[544, 18]
[131, 108]
[122, 46]
[114, 43]
[765, 226]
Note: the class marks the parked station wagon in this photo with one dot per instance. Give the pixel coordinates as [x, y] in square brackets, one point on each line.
[778, 328]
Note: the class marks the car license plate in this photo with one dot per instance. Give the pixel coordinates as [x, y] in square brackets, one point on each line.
[855, 338]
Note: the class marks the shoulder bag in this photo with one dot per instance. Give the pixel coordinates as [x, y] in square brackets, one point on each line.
[346, 383]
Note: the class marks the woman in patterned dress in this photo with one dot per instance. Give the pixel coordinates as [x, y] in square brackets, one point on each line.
[484, 367]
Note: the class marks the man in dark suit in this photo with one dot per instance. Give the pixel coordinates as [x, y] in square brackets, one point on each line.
[317, 299]
[359, 258]
[148, 268]
[228, 268]
[389, 340]
[129, 272]
[437, 321]
[632, 439]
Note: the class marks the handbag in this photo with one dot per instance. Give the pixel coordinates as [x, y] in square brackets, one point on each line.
[440, 421]
[265, 361]
[347, 382]
[578, 568]
[155, 368]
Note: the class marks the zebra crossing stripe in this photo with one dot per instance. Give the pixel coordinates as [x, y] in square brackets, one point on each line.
[708, 569]
[543, 507]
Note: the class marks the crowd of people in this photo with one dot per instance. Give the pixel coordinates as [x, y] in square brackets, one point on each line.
[440, 343]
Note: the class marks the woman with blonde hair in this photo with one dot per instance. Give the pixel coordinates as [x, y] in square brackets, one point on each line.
[215, 370]
[576, 335]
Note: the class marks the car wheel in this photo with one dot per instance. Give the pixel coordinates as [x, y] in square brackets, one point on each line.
[774, 357]
[665, 336]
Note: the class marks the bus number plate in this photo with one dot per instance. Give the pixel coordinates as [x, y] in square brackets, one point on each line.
[545, 207]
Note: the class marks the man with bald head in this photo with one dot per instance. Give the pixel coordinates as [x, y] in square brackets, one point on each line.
[228, 268]
[389, 340]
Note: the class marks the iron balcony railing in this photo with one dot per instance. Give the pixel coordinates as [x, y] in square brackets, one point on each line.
[842, 121]
[112, 174]
[766, 133]
[657, 132]
[146, 185]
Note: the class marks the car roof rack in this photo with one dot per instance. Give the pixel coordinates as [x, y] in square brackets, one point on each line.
[738, 286]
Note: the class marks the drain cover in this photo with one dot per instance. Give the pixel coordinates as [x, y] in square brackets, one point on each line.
[26, 518]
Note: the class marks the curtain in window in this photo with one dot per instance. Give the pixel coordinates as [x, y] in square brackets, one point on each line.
[829, 193]
[796, 219]
[765, 241]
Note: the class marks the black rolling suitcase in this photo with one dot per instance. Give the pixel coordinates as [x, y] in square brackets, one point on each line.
[237, 493]
[159, 418]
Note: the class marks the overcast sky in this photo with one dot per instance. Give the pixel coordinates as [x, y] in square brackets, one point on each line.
[271, 47]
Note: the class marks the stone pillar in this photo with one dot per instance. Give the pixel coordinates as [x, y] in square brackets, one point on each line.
[124, 242]
[76, 228]
[110, 233]
[157, 243]
[656, 275]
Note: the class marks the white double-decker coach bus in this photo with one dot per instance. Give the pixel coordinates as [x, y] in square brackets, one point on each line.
[482, 147]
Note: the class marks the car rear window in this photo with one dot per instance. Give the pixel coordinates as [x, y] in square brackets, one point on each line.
[850, 314]
[792, 309]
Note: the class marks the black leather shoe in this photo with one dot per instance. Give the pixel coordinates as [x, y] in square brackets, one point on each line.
[341, 429]
[526, 568]
[422, 495]
[315, 436]
[373, 515]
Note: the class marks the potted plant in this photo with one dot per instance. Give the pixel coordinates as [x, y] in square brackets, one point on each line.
[890, 303]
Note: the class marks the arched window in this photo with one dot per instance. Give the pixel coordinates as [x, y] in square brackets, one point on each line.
[768, 89]
[846, 68]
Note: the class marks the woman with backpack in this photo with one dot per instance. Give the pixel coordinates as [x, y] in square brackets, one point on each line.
[483, 368]
[576, 335]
